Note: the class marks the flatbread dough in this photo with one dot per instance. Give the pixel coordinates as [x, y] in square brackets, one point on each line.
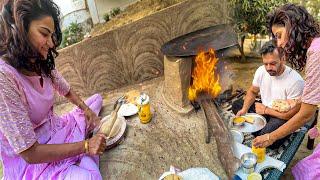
[116, 128]
[110, 129]
[281, 105]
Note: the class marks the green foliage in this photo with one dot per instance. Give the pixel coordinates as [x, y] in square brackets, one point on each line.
[114, 12]
[250, 18]
[313, 6]
[106, 17]
[71, 35]
[250, 15]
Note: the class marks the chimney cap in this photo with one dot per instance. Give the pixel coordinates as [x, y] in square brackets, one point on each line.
[219, 37]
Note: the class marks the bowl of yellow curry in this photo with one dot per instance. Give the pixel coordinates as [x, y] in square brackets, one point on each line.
[238, 121]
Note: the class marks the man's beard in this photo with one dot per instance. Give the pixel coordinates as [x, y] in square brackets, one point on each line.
[272, 73]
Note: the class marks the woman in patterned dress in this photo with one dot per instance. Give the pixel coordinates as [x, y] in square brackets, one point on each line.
[36, 143]
[298, 36]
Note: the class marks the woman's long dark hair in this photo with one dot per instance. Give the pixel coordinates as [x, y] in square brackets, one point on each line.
[15, 19]
[301, 28]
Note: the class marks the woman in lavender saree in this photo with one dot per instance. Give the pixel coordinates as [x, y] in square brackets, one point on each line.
[36, 143]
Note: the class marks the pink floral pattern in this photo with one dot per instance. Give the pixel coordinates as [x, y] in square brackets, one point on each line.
[308, 168]
[311, 92]
[14, 119]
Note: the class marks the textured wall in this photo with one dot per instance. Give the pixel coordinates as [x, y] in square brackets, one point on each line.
[131, 53]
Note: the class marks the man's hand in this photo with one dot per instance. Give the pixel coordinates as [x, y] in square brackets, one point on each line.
[241, 112]
[263, 141]
[260, 108]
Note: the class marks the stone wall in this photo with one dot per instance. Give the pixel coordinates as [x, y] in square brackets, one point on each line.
[131, 54]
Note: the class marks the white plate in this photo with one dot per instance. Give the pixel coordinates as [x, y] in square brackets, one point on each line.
[128, 109]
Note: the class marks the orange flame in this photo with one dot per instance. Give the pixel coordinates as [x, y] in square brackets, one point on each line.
[205, 79]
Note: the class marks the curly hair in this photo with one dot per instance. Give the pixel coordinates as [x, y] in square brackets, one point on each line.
[15, 19]
[301, 28]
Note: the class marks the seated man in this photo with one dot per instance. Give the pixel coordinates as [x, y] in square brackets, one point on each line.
[278, 84]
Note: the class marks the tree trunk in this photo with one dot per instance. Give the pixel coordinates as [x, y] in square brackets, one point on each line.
[243, 57]
[255, 43]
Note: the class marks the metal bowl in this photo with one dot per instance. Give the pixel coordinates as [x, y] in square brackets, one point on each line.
[237, 135]
[248, 162]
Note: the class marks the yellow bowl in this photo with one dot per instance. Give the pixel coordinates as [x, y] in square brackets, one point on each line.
[254, 176]
[238, 121]
[172, 177]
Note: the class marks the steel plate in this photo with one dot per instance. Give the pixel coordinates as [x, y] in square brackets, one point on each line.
[259, 123]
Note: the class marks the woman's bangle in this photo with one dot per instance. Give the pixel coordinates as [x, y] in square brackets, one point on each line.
[86, 146]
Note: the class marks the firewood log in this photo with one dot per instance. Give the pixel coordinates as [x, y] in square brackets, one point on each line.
[222, 136]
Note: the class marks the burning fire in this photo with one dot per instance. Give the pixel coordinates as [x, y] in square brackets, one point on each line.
[205, 79]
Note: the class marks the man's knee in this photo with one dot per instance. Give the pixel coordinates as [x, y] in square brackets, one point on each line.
[272, 125]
